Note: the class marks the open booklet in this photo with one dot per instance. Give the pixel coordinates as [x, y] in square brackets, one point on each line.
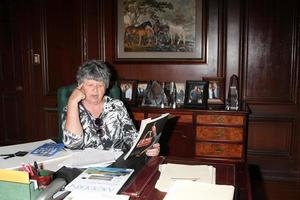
[147, 136]
[100, 179]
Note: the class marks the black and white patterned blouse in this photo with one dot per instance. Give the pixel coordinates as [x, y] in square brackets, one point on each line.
[115, 130]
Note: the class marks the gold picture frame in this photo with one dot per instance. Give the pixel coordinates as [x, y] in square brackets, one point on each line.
[216, 90]
[160, 36]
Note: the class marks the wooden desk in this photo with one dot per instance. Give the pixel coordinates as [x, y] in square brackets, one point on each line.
[141, 186]
[213, 134]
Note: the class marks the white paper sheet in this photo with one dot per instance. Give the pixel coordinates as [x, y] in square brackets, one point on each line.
[193, 190]
[172, 172]
[91, 157]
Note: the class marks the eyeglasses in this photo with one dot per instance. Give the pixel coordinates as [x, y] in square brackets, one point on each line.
[107, 143]
[98, 122]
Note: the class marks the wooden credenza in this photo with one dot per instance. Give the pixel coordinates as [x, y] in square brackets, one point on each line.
[208, 134]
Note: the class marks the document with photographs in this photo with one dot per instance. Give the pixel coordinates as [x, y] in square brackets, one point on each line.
[100, 179]
[149, 134]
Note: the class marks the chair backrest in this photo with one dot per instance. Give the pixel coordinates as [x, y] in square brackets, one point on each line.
[63, 94]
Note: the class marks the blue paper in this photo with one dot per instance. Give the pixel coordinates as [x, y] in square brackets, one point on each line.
[48, 149]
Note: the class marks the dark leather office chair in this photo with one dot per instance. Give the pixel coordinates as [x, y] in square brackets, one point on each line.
[63, 94]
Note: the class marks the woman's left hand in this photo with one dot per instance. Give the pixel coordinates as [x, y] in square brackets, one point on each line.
[154, 151]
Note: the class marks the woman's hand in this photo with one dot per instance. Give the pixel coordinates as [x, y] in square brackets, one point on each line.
[154, 151]
[77, 95]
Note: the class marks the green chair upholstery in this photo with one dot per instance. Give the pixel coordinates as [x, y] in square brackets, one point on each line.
[63, 94]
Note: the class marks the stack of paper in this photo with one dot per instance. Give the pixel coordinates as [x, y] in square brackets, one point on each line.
[193, 190]
[169, 173]
[91, 157]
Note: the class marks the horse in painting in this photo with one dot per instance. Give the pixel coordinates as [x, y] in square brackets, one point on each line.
[161, 32]
[177, 34]
[143, 30]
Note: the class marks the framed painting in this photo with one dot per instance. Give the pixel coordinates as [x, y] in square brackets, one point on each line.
[149, 30]
[128, 91]
[196, 94]
[215, 90]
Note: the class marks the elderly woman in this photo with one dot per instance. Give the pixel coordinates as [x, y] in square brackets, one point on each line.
[92, 119]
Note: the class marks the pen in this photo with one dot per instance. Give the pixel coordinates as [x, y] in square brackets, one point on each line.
[36, 167]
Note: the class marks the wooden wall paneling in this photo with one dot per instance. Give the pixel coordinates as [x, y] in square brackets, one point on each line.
[5, 44]
[279, 131]
[234, 30]
[93, 32]
[272, 145]
[11, 125]
[297, 61]
[12, 85]
[270, 65]
[61, 43]
[270, 86]
[57, 38]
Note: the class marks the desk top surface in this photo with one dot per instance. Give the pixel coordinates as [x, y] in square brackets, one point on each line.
[142, 185]
[50, 163]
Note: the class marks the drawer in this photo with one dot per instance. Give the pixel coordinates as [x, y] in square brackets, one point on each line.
[182, 118]
[220, 119]
[219, 133]
[219, 150]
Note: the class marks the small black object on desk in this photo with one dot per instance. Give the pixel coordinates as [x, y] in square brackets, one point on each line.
[19, 154]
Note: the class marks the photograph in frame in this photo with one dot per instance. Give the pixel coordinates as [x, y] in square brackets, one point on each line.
[196, 94]
[215, 90]
[141, 91]
[128, 91]
[155, 95]
[161, 34]
[180, 93]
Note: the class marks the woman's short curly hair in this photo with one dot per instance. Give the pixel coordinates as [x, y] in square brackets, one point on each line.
[93, 70]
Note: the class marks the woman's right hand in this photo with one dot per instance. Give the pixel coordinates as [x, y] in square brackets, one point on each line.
[77, 95]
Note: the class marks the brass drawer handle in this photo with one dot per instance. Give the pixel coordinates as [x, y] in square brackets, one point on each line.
[219, 133]
[219, 149]
[220, 119]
